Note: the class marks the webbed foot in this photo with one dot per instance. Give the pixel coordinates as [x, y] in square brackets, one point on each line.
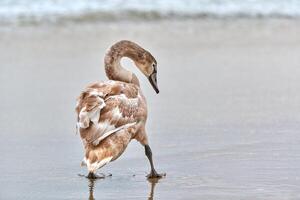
[95, 176]
[154, 175]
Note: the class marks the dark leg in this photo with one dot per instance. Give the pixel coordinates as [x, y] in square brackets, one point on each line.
[153, 173]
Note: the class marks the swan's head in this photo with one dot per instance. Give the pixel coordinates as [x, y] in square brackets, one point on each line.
[148, 65]
[141, 57]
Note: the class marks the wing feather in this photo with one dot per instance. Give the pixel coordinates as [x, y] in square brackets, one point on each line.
[104, 108]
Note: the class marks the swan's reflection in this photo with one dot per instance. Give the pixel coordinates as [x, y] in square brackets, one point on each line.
[91, 189]
[152, 184]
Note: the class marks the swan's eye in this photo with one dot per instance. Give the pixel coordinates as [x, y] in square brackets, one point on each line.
[154, 68]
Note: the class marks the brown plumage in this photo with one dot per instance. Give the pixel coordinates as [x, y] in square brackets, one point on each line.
[111, 113]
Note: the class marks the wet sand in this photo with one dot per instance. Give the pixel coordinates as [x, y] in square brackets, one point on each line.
[225, 125]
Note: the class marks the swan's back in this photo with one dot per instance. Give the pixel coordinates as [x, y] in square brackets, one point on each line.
[104, 108]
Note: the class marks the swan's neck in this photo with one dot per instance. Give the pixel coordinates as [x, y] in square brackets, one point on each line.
[113, 67]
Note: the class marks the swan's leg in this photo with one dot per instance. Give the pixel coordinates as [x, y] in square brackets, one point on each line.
[153, 173]
[141, 136]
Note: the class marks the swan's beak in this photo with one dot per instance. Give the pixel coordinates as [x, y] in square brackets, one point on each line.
[153, 81]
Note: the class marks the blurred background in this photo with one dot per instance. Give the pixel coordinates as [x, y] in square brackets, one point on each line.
[35, 11]
[225, 124]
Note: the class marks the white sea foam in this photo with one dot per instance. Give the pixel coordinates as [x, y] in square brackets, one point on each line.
[54, 10]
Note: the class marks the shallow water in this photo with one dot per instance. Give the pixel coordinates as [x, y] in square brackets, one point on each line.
[225, 125]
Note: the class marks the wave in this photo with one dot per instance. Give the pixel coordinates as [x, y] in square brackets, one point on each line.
[30, 11]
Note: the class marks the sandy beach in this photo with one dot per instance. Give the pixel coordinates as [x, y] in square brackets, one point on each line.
[224, 126]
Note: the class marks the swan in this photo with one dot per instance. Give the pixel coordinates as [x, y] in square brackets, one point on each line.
[112, 113]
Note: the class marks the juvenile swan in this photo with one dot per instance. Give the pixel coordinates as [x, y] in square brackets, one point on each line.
[111, 113]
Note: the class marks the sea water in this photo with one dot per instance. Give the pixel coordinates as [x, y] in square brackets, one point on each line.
[12, 11]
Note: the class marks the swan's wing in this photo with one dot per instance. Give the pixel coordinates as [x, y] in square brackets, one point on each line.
[105, 108]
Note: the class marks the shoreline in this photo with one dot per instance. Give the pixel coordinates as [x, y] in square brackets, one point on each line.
[68, 23]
